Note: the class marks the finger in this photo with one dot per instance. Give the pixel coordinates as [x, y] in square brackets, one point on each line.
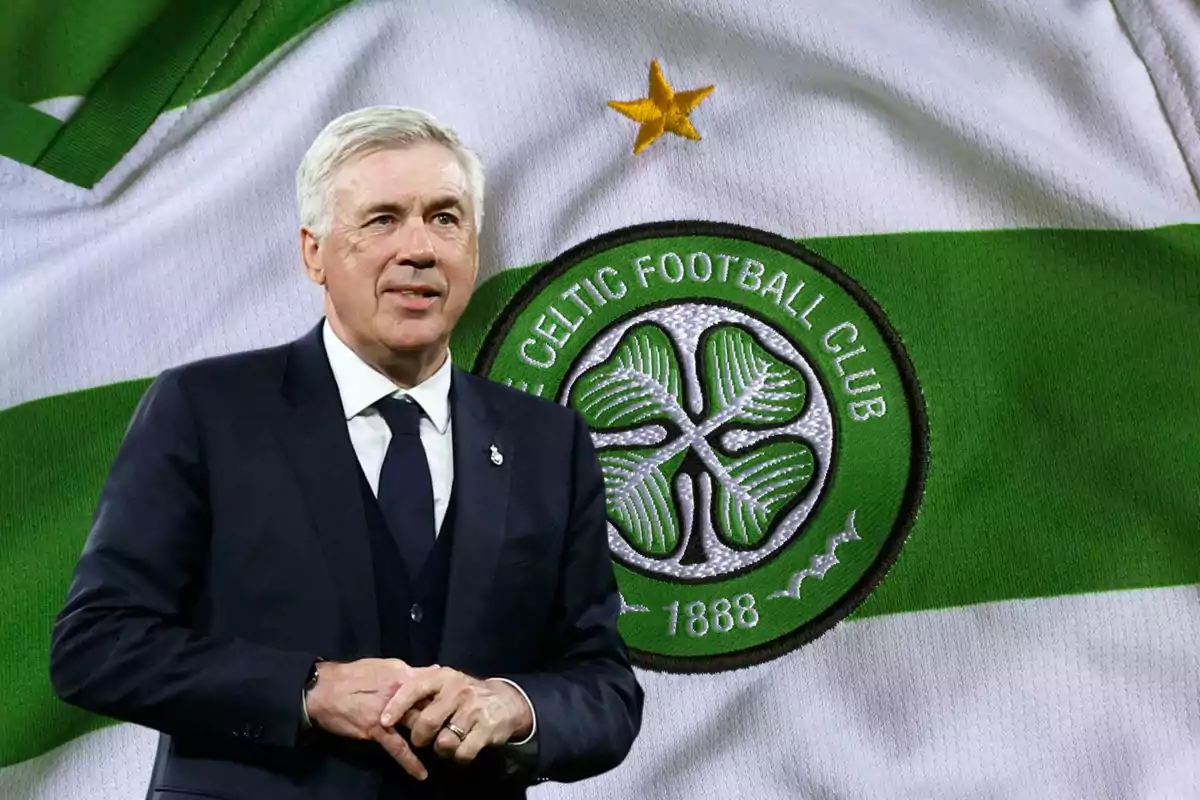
[448, 741]
[410, 717]
[399, 672]
[399, 750]
[413, 714]
[449, 704]
[478, 738]
[410, 694]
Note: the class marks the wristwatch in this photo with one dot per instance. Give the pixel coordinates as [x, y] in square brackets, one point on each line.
[305, 722]
[312, 676]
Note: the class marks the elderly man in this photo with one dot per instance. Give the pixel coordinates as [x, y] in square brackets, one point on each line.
[344, 568]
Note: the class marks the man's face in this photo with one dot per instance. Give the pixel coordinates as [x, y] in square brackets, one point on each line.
[399, 261]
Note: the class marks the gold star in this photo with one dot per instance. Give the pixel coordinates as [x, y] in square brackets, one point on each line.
[664, 110]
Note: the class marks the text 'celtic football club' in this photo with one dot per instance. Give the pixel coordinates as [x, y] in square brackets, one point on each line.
[559, 322]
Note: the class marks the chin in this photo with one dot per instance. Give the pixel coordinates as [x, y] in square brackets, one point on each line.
[412, 336]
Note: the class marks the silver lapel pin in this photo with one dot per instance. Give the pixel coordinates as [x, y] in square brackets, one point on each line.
[497, 456]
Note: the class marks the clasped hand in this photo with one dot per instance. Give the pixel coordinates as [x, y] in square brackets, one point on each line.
[369, 698]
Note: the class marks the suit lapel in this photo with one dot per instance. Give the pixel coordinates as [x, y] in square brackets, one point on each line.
[314, 436]
[481, 503]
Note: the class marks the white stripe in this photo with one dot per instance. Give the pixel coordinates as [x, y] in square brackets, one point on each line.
[1166, 33]
[1072, 697]
[109, 764]
[887, 116]
[61, 108]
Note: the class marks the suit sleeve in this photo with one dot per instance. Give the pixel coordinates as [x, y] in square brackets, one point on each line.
[588, 701]
[124, 644]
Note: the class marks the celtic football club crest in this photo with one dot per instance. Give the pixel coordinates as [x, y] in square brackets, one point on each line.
[757, 421]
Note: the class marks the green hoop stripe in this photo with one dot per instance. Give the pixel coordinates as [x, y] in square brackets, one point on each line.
[192, 48]
[25, 132]
[136, 90]
[1063, 431]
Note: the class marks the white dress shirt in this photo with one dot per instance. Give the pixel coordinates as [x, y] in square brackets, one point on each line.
[360, 386]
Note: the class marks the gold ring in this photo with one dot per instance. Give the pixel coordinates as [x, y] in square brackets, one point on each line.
[457, 731]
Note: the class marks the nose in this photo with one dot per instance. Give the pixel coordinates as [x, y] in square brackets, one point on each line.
[416, 245]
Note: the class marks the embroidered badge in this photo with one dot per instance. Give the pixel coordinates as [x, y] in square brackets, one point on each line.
[757, 420]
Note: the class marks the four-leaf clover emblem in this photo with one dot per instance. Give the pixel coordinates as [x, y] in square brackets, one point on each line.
[745, 386]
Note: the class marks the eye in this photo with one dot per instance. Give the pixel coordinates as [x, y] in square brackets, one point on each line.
[445, 218]
[381, 220]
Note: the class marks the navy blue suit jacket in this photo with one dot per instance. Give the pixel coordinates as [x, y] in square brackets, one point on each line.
[229, 550]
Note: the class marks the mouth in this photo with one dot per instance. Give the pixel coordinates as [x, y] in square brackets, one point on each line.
[416, 291]
[414, 298]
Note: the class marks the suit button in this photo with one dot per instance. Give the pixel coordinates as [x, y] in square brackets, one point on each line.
[416, 614]
[258, 731]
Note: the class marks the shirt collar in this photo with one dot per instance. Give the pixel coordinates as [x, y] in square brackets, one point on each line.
[360, 385]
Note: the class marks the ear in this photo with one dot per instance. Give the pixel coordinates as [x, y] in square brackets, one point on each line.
[310, 251]
[474, 257]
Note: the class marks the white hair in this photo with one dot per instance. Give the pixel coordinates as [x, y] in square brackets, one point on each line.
[368, 130]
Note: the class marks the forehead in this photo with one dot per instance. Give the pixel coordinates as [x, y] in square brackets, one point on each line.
[397, 174]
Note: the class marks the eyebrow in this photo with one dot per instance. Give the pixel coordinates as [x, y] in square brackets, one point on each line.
[386, 207]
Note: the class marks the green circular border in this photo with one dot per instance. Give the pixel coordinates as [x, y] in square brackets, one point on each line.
[918, 425]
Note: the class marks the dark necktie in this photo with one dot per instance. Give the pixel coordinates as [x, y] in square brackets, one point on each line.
[405, 486]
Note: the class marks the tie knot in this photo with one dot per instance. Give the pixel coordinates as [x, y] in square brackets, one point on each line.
[403, 415]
